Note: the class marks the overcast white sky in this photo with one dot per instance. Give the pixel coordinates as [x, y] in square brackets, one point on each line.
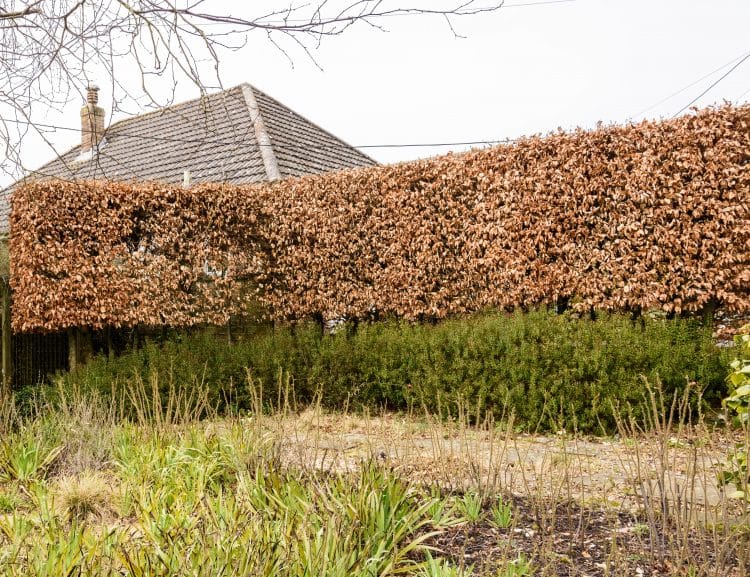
[519, 71]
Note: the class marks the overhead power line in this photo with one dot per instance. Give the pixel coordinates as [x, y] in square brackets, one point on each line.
[439, 144]
[331, 146]
[712, 86]
[741, 96]
[688, 86]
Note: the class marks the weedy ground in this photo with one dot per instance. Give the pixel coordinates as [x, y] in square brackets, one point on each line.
[84, 492]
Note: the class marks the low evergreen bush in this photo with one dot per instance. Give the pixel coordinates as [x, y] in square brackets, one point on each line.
[552, 371]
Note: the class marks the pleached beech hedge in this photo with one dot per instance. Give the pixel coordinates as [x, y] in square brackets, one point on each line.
[652, 215]
[106, 254]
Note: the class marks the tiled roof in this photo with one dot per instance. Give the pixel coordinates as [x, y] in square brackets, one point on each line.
[240, 135]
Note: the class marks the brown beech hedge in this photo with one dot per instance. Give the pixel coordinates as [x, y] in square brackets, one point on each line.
[652, 215]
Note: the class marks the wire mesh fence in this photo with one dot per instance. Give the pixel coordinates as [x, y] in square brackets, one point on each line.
[38, 356]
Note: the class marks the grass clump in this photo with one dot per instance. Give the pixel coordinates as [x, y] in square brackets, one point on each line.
[553, 371]
[85, 495]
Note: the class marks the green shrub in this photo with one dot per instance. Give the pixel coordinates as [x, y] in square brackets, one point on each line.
[552, 371]
[738, 402]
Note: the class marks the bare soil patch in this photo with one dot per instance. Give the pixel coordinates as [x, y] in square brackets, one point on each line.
[590, 542]
[583, 506]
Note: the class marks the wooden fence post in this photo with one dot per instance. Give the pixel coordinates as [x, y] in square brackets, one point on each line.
[110, 344]
[80, 346]
[7, 341]
[72, 348]
[85, 345]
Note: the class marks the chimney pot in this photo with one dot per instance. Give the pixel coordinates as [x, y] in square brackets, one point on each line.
[92, 120]
[92, 94]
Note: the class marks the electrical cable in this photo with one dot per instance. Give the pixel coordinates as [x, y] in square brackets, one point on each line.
[118, 133]
[707, 90]
[684, 88]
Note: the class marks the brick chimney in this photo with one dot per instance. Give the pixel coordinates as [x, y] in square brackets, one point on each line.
[92, 120]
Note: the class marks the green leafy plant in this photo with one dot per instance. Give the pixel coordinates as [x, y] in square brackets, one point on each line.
[738, 402]
[25, 459]
[441, 511]
[9, 501]
[502, 513]
[470, 506]
[519, 567]
[739, 379]
[440, 567]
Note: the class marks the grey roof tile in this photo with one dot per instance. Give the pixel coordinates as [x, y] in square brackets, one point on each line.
[213, 137]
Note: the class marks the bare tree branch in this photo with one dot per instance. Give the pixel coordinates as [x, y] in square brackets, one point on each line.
[51, 49]
[21, 13]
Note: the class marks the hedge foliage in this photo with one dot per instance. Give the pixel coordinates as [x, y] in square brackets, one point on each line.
[651, 215]
[97, 254]
[551, 370]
